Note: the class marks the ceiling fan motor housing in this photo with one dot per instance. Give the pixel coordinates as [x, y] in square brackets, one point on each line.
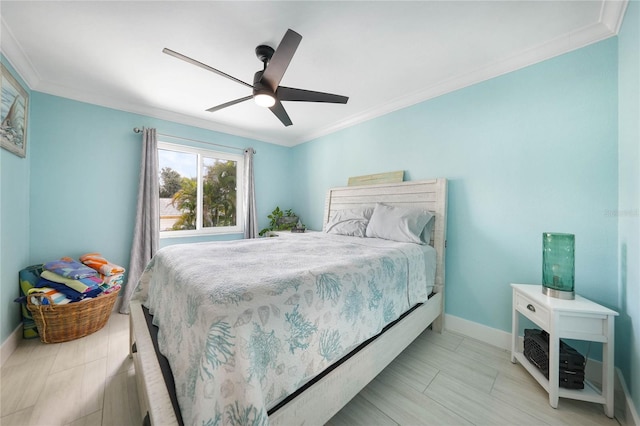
[264, 53]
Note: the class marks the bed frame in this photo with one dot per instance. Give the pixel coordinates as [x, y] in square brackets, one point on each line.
[323, 399]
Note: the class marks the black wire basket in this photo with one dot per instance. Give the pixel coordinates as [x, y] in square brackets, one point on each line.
[571, 363]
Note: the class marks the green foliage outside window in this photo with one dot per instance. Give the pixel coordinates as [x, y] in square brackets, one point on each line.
[218, 196]
[171, 182]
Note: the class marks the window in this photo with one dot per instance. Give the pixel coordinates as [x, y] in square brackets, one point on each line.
[200, 191]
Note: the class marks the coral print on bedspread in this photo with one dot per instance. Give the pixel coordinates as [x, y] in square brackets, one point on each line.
[245, 323]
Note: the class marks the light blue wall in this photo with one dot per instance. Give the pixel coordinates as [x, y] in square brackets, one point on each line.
[14, 226]
[531, 151]
[84, 177]
[628, 326]
[76, 190]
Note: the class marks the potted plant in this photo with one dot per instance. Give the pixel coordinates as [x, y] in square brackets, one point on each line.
[280, 220]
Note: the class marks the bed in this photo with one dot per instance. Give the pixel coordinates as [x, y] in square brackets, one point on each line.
[300, 333]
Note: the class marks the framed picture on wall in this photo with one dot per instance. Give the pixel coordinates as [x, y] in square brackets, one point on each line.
[14, 113]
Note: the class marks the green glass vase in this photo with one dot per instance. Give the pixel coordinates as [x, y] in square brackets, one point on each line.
[558, 265]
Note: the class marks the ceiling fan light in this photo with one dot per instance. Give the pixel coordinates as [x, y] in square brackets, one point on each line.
[264, 100]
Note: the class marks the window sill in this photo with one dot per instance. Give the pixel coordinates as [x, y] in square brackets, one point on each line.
[169, 235]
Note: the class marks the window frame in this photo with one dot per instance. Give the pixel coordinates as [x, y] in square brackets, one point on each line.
[201, 153]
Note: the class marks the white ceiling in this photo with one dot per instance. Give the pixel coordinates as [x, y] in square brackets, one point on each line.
[383, 55]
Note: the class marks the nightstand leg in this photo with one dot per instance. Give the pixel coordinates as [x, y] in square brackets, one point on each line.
[554, 370]
[130, 336]
[514, 330]
[607, 370]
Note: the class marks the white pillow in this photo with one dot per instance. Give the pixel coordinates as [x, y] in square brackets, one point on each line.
[397, 223]
[428, 228]
[349, 222]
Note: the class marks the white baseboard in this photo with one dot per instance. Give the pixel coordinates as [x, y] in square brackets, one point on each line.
[625, 412]
[492, 336]
[629, 413]
[593, 369]
[10, 344]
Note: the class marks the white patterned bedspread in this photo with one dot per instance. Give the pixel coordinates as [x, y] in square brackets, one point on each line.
[246, 323]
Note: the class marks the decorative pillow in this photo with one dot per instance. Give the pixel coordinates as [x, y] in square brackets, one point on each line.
[349, 222]
[398, 223]
[428, 229]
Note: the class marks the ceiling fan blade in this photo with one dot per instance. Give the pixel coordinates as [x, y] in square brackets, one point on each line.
[227, 104]
[292, 94]
[281, 59]
[204, 66]
[280, 112]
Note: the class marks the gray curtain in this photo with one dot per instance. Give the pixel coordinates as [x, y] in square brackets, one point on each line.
[146, 234]
[250, 219]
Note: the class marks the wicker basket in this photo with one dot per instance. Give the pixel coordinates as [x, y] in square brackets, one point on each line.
[61, 323]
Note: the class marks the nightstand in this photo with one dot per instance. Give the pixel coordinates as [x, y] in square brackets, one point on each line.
[579, 319]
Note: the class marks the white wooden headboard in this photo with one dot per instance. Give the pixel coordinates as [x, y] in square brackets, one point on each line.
[430, 195]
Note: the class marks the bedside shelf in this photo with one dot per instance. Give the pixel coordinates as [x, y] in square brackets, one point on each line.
[590, 393]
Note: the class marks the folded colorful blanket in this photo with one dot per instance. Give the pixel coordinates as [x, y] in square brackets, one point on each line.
[112, 289]
[82, 285]
[100, 264]
[57, 298]
[111, 280]
[28, 278]
[71, 294]
[70, 268]
[111, 283]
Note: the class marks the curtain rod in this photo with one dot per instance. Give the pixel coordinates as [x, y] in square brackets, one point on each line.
[139, 130]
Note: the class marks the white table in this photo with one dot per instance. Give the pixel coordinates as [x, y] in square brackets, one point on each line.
[289, 234]
[579, 319]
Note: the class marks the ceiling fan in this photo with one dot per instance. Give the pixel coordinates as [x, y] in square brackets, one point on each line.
[267, 91]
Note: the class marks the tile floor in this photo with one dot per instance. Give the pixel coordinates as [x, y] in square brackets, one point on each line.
[441, 379]
[89, 381]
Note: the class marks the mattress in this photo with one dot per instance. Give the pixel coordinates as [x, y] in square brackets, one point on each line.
[246, 323]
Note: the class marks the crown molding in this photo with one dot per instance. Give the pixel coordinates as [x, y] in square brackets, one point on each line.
[152, 112]
[16, 56]
[611, 17]
[612, 14]
[13, 53]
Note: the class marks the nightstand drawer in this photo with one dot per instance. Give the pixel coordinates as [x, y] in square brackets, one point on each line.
[532, 310]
